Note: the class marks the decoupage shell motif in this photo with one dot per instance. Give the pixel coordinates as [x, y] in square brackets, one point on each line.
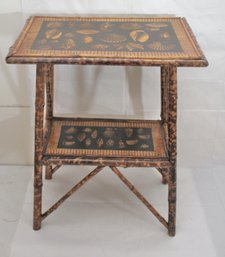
[87, 31]
[53, 34]
[139, 36]
[71, 130]
[113, 38]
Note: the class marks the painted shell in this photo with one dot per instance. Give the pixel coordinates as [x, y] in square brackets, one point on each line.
[71, 130]
[69, 137]
[113, 38]
[156, 25]
[121, 144]
[110, 142]
[100, 142]
[87, 31]
[53, 34]
[69, 43]
[105, 26]
[88, 40]
[88, 142]
[81, 136]
[144, 137]
[109, 132]
[88, 130]
[130, 26]
[54, 24]
[158, 46]
[139, 36]
[131, 46]
[69, 143]
[131, 142]
[165, 35]
[144, 146]
[128, 132]
[94, 134]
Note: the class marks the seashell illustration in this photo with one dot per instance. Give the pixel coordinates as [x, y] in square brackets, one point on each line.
[130, 26]
[121, 144]
[131, 142]
[113, 38]
[71, 130]
[131, 46]
[109, 132]
[105, 26]
[81, 136]
[100, 46]
[88, 130]
[156, 25]
[100, 142]
[88, 142]
[54, 24]
[128, 132]
[144, 137]
[87, 31]
[94, 134]
[144, 146]
[88, 39]
[53, 34]
[69, 143]
[69, 137]
[69, 35]
[69, 43]
[139, 36]
[158, 46]
[165, 35]
[110, 142]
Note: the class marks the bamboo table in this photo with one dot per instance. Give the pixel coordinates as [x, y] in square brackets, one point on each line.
[164, 41]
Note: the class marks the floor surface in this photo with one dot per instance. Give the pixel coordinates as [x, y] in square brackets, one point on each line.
[104, 219]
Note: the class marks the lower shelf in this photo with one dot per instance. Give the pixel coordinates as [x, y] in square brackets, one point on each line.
[104, 138]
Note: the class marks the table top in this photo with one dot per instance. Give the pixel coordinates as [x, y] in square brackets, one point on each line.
[107, 40]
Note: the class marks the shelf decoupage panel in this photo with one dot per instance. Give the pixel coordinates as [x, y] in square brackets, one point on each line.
[106, 138]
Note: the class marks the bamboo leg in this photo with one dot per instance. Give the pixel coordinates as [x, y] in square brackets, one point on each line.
[49, 109]
[39, 113]
[164, 113]
[48, 172]
[172, 131]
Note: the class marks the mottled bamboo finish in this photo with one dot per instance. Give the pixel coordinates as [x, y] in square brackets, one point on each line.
[39, 138]
[172, 133]
[71, 191]
[49, 110]
[139, 196]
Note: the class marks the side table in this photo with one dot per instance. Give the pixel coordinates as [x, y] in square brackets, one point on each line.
[167, 42]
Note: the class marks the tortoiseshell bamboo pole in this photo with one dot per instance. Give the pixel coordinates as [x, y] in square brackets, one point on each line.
[71, 191]
[39, 119]
[172, 131]
[139, 196]
[165, 113]
[49, 109]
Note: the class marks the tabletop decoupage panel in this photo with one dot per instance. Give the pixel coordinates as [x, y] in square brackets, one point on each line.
[106, 37]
